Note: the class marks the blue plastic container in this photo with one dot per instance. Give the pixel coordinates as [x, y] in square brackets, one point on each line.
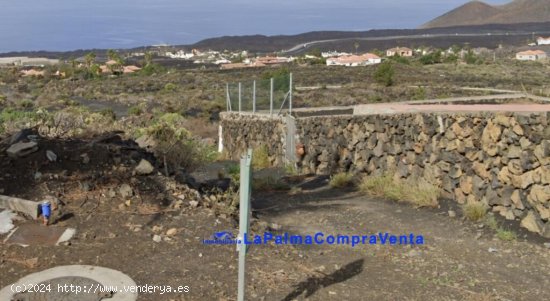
[46, 209]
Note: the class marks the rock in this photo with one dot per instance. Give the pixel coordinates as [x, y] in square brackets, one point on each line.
[172, 232]
[513, 152]
[481, 170]
[157, 238]
[37, 176]
[52, 157]
[452, 213]
[492, 250]
[539, 194]
[532, 223]
[503, 120]
[125, 191]
[144, 167]
[546, 231]
[543, 211]
[378, 151]
[455, 172]
[466, 185]
[193, 204]
[516, 199]
[514, 166]
[524, 142]
[22, 149]
[85, 158]
[22, 135]
[518, 130]
[459, 196]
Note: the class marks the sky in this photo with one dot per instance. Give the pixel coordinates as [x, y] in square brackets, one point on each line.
[61, 25]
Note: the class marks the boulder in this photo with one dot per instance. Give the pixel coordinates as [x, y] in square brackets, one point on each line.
[144, 167]
[532, 223]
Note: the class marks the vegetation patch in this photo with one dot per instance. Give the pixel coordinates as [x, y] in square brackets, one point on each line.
[418, 193]
[341, 180]
[260, 157]
[474, 211]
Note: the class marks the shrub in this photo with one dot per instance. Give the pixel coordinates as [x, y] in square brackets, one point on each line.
[25, 104]
[135, 110]
[170, 87]
[109, 113]
[418, 193]
[260, 157]
[474, 211]
[341, 180]
[384, 74]
[506, 235]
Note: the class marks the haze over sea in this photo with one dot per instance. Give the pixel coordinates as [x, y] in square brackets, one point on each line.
[60, 25]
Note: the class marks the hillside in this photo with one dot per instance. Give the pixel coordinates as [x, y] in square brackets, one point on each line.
[479, 13]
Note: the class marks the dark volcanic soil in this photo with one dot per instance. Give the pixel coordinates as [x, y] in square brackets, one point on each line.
[115, 232]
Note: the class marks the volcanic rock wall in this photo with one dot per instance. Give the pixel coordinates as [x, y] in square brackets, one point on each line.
[502, 160]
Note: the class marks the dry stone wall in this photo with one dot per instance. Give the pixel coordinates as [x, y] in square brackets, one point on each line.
[243, 131]
[500, 159]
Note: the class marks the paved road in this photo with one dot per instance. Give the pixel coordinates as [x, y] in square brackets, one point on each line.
[304, 46]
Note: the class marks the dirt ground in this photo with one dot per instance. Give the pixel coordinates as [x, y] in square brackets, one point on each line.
[460, 260]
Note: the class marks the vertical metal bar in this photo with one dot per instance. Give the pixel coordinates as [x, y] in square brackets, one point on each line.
[240, 98]
[254, 98]
[271, 98]
[228, 97]
[244, 218]
[290, 96]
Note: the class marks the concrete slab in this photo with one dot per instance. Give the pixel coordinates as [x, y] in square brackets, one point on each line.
[36, 234]
[104, 276]
[21, 149]
[27, 207]
[6, 221]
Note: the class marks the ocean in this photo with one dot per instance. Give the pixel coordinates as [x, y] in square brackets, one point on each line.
[61, 25]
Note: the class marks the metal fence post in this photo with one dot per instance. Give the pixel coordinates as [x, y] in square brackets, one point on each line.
[228, 97]
[244, 219]
[240, 99]
[290, 96]
[254, 97]
[271, 98]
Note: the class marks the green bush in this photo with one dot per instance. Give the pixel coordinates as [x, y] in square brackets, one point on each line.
[384, 74]
[135, 110]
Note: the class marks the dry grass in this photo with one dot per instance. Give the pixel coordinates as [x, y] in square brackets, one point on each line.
[474, 211]
[341, 180]
[260, 157]
[418, 193]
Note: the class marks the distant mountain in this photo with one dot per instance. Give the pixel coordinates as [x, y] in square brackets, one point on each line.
[479, 13]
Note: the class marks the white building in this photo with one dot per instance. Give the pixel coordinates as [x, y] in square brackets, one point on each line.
[531, 55]
[543, 41]
[354, 60]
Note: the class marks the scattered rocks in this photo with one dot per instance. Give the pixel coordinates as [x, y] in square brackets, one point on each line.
[144, 167]
[172, 232]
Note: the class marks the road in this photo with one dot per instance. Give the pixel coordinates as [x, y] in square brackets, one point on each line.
[304, 46]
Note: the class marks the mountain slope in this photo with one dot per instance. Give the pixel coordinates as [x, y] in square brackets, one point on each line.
[478, 13]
